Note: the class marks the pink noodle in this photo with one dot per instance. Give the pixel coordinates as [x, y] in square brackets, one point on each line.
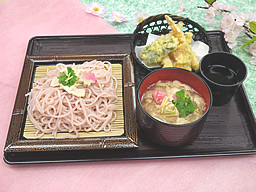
[53, 110]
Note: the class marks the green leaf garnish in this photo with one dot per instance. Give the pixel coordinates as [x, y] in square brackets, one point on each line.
[184, 104]
[68, 78]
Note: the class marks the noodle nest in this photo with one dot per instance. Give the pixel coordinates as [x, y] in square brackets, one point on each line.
[53, 110]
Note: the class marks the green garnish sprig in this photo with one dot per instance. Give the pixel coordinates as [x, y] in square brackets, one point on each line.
[184, 104]
[68, 78]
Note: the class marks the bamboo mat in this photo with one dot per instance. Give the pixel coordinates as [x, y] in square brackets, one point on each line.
[117, 125]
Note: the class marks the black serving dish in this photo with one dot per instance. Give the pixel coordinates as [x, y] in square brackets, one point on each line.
[228, 130]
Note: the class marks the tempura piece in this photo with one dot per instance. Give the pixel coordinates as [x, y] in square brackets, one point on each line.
[154, 52]
[166, 62]
[183, 56]
[188, 36]
[180, 25]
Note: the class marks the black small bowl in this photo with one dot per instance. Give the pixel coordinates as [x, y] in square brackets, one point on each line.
[172, 135]
[224, 73]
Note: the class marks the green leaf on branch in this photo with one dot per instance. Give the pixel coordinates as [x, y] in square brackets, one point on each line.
[249, 42]
[210, 2]
[252, 25]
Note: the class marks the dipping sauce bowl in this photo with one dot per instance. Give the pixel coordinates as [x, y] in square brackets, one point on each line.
[224, 73]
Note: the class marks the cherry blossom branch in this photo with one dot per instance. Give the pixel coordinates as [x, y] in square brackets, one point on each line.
[231, 23]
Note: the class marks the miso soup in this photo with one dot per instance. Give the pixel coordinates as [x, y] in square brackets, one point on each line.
[173, 102]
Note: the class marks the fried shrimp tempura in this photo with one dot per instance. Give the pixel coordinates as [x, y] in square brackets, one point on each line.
[183, 56]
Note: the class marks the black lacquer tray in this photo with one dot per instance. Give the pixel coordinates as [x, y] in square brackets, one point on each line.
[229, 129]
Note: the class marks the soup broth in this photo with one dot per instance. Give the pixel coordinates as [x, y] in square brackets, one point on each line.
[221, 74]
[162, 101]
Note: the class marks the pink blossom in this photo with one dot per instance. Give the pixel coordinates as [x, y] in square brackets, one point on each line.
[239, 18]
[216, 7]
[232, 8]
[210, 16]
[232, 44]
[231, 36]
[117, 16]
[139, 17]
[180, 7]
[221, 7]
[96, 9]
[224, 7]
[227, 23]
[249, 16]
[210, 13]
[217, 4]
[228, 8]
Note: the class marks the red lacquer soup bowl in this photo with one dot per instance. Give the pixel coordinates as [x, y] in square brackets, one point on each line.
[172, 135]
